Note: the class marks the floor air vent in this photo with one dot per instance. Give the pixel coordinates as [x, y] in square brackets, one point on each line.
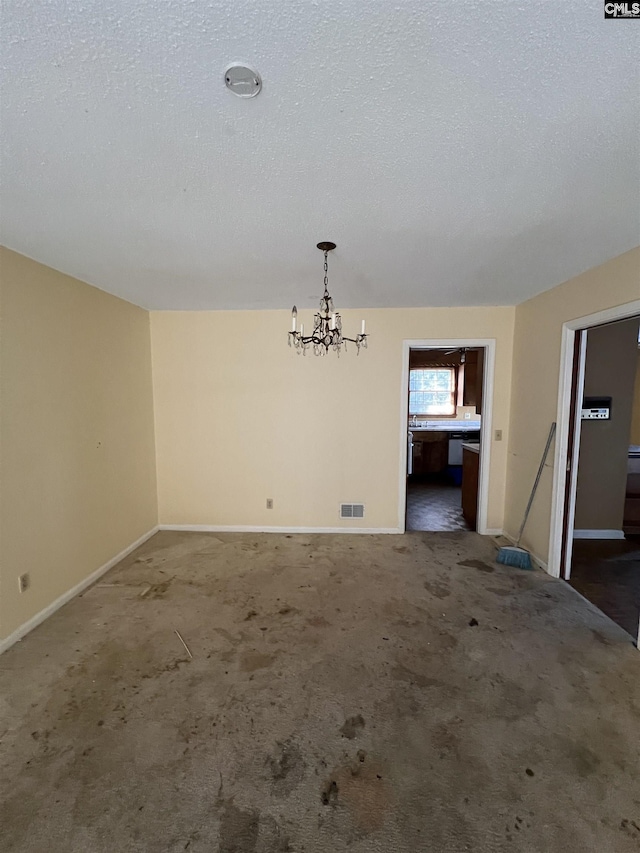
[351, 510]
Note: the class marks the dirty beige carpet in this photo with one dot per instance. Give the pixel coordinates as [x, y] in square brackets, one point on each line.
[371, 694]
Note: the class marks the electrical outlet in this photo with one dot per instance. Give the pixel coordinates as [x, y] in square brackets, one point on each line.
[24, 582]
[269, 503]
[498, 435]
[467, 416]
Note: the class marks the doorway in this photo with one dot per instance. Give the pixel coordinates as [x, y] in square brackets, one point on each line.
[599, 552]
[446, 414]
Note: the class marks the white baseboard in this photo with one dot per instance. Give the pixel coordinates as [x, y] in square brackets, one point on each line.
[32, 623]
[598, 534]
[248, 528]
[540, 563]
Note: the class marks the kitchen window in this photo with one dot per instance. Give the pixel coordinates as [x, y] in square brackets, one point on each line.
[432, 391]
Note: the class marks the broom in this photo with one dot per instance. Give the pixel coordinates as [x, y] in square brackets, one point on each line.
[514, 555]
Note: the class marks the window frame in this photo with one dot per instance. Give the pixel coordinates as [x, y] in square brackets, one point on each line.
[453, 369]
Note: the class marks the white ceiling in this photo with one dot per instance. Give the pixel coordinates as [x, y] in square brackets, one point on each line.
[458, 153]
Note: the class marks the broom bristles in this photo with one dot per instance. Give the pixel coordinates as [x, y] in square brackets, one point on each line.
[512, 556]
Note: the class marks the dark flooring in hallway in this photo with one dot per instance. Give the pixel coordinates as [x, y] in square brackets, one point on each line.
[434, 507]
[607, 573]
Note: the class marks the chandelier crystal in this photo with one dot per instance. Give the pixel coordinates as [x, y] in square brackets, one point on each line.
[327, 323]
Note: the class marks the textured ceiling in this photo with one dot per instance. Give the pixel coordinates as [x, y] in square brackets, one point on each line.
[458, 153]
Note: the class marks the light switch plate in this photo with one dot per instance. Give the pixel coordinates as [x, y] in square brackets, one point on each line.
[498, 435]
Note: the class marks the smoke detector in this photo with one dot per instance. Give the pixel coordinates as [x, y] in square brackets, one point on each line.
[242, 80]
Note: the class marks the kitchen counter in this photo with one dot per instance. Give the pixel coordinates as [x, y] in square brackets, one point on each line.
[473, 446]
[470, 478]
[445, 425]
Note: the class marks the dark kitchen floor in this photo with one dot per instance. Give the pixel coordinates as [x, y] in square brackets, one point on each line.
[607, 573]
[435, 507]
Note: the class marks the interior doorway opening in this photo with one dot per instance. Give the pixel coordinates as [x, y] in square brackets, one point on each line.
[445, 405]
[599, 553]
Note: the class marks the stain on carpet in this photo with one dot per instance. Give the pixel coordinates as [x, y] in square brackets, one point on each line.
[238, 829]
[329, 793]
[496, 590]
[403, 673]
[439, 590]
[252, 661]
[287, 768]
[273, 838]
[157, 590]
[444, 740]
[318, 622]
[477, 564]
[352, 726]
[359, 785]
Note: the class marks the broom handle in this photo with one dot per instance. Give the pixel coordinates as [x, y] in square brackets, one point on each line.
[552, 432]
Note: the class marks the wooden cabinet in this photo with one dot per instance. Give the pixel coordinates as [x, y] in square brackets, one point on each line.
[434, 456]
[430, 452]
[470, 477]
[473, 379]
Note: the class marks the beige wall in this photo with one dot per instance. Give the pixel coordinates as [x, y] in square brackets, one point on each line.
[77, 480]
[240, 417]
[536, 365]
[610, 371]
[635, 415]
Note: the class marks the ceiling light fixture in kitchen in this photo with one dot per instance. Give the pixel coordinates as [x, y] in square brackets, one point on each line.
[327, 323]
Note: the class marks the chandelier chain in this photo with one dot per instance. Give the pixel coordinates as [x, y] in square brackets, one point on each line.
[326, 274]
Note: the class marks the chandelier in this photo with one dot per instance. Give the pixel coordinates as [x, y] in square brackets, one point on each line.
[327, 323]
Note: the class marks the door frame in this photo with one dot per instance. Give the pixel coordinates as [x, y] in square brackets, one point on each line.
[573, 451]
[565, 459]
[489, 345]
